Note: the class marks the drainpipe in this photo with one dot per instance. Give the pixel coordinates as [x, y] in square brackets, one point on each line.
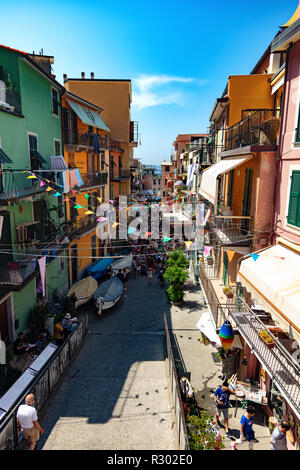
[280, 135]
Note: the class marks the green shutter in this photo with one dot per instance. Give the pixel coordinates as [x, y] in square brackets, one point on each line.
[294, 203]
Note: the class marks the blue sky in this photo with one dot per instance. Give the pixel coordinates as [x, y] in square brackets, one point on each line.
[178, 54]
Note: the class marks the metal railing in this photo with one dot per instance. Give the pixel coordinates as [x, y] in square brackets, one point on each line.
[98, 142]
[42, 385]
[134, 131]
[118, 174]
[16, 185]
[281, 366]
[93, 179]
[216, 309]
[257, 127]
[232, 229]
[181, 431]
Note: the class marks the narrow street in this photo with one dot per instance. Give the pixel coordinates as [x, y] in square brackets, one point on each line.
[115, 395]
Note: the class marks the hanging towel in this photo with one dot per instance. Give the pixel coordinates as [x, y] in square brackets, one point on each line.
[73, 178]
[80, 182]
[66, 181]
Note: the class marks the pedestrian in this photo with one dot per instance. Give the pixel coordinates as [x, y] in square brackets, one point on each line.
[246, 431]
[66, 324]
[75, 324]
[20, 347]
[150, 275]
[58, 333]
[221, 397]
[27, 421]
[278, 439]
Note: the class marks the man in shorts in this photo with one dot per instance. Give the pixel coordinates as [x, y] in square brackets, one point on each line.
[27, 420]
[221, 397]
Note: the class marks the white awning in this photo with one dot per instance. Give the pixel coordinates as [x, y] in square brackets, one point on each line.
[208, 184]
[205, 324]
[274, 281]
[58, 163]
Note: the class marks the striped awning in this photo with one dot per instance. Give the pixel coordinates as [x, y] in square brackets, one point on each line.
[58, 163]
[88, 116]
[4, 158]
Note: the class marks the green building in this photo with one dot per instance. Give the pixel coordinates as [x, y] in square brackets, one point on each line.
[33, 220]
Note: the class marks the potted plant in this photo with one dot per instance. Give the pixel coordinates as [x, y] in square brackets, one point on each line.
[267, 339]
[228, 292]
[202, 434]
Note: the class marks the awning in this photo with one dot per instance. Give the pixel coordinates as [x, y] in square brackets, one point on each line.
[37, 155]
[208, 185]
[4, 158]
[58, 163]
[274, 281]
[88, 116]
[205, 324]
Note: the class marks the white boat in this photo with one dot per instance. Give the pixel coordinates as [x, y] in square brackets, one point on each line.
[83, 290]
[108, 294]
[123, 263]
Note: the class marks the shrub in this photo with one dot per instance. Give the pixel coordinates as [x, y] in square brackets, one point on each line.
[176, 274]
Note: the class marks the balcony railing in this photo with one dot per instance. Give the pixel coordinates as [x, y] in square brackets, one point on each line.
[95, 141]
[93, 179]
[257, 127]
[134, 132]
[279, 364]
[232, 229]
[119, 175]
[84, 225]
[16, 185]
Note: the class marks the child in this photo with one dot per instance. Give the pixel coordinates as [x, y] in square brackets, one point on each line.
[247, 433]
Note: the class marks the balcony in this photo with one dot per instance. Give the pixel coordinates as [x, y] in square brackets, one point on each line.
[82, 226]
[95, 141]
[91, 180]
[119, 175]
[257, 127]
[134, 132]
[231, 229]
[16, 185]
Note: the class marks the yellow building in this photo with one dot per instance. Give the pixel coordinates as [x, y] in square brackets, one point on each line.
[114, 96]
[86, 152]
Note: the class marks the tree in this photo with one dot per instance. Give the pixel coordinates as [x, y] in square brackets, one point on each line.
[176, 274]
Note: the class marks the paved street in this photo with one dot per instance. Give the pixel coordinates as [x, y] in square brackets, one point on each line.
[115, 395]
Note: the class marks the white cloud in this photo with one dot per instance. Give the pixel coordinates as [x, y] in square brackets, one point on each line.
[155, 90]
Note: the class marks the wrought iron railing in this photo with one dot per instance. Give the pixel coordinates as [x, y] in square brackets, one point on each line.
[257, 127]
[16, 185]
[93, 179]
[134, 131]
[118, 174]
[232, 229]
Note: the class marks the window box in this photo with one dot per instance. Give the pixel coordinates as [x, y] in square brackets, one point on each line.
[266, 338]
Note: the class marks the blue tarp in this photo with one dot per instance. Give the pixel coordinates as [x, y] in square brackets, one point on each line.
[109, 290]
[99, 269]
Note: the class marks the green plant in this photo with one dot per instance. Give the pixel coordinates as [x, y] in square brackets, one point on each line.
[266, 337]
[221, 354]
[37, 317]
[176, 274]
[202, 435]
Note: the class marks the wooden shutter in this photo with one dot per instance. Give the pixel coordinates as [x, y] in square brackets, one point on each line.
[294, 203]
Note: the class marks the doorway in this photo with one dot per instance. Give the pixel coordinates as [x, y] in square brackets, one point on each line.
[74, 263]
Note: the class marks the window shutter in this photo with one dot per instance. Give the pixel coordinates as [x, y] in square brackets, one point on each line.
[294, 203]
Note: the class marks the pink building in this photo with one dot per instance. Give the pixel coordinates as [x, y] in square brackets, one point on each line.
[167, 177]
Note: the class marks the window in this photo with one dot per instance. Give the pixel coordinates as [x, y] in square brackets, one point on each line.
[293, 217]
[57, 147]
[54, 102]
[33, 147]
[167, 169]
[298, 127]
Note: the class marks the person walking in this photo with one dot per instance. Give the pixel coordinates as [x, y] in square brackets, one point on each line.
[246, 431]
[27, 421]
[221, 397]
[150, 275]
[278, 439]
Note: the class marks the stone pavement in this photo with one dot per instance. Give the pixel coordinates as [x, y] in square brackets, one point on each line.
[205, 369]
[115, 394]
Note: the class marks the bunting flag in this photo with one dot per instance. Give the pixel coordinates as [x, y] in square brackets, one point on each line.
[86, 196]
[131, 229]
[253, 256]
[89, 212]
[207, 250]
[31, 177]
[111, 201]
[188, 244]
[42, 184]
[73, 192]
[49, 189]
[42, 266]
[99, 199]
[147, 234]
[57, 194]
[101, 219]
[115, 224]
[166, 239]
[230, 255]
[78, 207]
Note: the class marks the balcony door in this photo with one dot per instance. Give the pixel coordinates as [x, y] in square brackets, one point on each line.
[247, 200]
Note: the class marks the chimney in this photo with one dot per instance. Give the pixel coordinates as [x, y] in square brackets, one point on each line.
[92, 75]
[65, 77]
[82, 75]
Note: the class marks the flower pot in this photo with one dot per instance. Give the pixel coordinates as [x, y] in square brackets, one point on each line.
[270, 345]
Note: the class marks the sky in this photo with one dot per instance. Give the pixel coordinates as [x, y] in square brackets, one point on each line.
[178, 54]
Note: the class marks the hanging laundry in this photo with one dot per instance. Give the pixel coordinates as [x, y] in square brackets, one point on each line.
[66, 185]
[80, 182]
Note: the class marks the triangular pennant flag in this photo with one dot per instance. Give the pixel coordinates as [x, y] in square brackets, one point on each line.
[111, 201]
[207, 250]
[101, 219]
[78, 207]
[166, 239]
[42, 184]
[230, 255]
[31, 177]
[115, 224]
[89, 212]
[86, 196]
[57, 194]
[254, 256]
[99, 199]
[131, 229]
[188, 244]
[49, 189]
[73, 192]
[147, 234]
[48, 181]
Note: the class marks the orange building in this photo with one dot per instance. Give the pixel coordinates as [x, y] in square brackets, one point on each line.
[114, 96]
[86, 151]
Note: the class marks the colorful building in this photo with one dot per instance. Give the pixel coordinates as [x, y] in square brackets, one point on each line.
[34, 221]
